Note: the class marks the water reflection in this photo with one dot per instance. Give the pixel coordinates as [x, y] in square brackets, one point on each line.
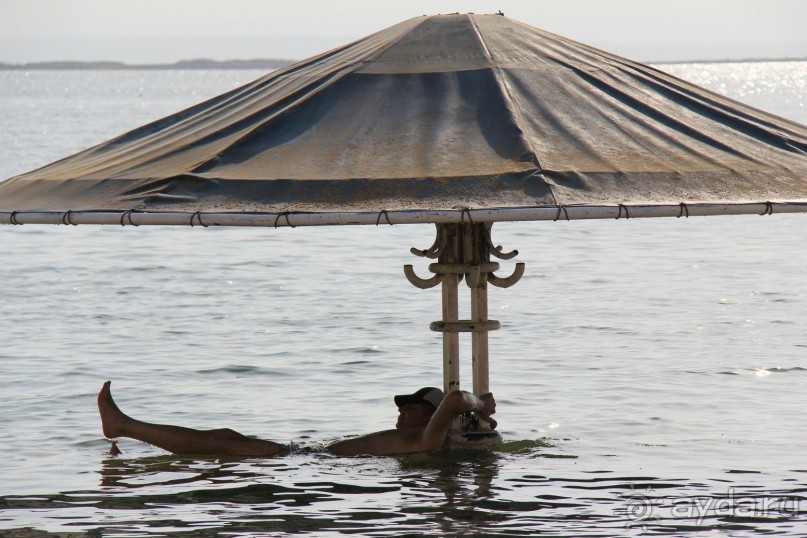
[441, 490]
[463, 478]
[515, 490]
[446, 490]
[167, 471]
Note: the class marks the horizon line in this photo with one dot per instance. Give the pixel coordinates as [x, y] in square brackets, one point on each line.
[273, 63]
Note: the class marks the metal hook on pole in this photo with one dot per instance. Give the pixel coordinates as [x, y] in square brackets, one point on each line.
[506, 282]
[422, 283]
[433, 252]
[497, 250]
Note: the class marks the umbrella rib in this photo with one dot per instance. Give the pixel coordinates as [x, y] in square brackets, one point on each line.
[508, 98]
[515, 113]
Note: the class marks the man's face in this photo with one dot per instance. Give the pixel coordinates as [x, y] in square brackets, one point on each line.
[414, 415]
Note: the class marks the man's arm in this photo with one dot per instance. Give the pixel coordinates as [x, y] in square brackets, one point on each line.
[455, 403]
[431, 437]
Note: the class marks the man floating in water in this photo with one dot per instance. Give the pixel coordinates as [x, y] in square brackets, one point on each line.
[424, 419]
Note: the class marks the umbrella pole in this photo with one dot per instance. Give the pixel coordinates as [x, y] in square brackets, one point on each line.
[477, 251]
[479, 340]
[463, 251]
[451, 340]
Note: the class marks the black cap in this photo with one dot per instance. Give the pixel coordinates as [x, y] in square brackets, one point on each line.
[430, 395]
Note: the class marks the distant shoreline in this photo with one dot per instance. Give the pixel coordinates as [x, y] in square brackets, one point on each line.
[729, 61]
[268, 63]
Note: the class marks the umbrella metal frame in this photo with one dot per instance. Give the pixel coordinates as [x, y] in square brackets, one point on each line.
[418, 216]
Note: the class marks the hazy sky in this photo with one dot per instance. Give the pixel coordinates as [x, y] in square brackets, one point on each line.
[145, 31]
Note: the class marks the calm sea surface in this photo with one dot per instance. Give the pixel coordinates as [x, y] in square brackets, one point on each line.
[651, 375]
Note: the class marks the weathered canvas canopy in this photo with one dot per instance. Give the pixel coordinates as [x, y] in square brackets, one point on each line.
[424, 121]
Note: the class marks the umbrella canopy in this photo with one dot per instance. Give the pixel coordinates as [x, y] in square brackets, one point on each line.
[424, 121]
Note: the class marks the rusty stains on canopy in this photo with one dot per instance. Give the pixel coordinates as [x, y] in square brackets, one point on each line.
[437, 113]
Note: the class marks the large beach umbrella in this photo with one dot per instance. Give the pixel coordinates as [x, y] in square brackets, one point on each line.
[457, 120]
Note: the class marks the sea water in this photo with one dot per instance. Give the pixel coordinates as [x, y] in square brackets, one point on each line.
[650, 374]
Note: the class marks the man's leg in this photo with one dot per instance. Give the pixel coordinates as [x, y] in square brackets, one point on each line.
[176, 439]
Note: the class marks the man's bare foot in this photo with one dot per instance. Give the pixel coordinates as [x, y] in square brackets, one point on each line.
[112, 418]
